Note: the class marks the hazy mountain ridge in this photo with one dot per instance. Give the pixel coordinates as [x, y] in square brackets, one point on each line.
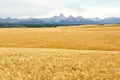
[60, 20]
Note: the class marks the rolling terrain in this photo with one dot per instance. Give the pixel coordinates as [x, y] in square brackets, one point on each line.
[89, 52]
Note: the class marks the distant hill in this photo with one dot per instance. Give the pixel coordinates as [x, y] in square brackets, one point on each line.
[56, 20]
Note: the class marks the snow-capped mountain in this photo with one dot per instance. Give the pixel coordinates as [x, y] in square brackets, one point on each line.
[61, 20]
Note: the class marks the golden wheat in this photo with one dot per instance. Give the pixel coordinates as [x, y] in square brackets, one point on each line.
[85, 53]
[58, 64]
[97, 38]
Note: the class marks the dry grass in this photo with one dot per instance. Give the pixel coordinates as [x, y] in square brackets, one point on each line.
[58, 64]
[84, 53]
[98, 38]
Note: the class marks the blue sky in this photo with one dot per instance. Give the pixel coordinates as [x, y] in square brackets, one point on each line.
[48, 8]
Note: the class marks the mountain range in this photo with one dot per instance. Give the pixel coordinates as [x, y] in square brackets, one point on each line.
[59, 20]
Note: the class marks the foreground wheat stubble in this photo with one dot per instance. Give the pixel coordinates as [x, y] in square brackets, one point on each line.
[55, 64]
[62, 53]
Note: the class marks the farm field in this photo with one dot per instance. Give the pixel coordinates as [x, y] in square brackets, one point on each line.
[91, 38]
[62, 53]
[58, 64]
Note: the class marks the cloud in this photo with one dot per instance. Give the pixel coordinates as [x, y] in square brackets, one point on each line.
[101, 12]
[19, 8]
[47, 8]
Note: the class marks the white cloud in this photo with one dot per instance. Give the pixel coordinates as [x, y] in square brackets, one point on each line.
[19, 8]
[47, 8]
[101, 12]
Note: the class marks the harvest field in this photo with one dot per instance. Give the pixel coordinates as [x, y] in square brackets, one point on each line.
[91, 38]
[62, 53]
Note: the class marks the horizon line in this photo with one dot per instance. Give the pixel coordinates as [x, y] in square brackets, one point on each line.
[58, 16]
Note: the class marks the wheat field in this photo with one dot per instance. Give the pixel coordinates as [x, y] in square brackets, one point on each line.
[93, 38]
[62, 53]
[58, 64]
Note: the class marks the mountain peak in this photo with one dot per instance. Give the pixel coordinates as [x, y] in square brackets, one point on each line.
[70, 16]
[61, 15]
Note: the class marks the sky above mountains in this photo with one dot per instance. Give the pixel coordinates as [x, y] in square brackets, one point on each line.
[48, 8]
